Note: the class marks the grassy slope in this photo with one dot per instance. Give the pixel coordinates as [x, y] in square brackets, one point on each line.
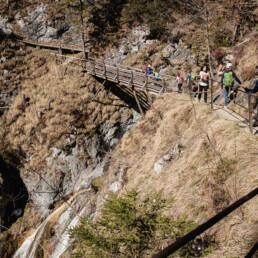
[61, 99]
[198, 181]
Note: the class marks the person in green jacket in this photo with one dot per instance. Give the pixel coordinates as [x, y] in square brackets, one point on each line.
[227, 81]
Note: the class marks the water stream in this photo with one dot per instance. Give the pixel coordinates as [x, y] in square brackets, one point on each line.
[63, 214]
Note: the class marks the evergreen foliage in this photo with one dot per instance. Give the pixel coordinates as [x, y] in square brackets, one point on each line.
[154, 13]
[105, 18]
[129, 228]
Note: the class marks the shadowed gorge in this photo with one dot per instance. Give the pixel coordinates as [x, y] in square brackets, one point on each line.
[13, 193]
[126, 128]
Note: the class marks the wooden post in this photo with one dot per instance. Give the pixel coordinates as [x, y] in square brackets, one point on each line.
[144, 87]
[211, 83]
[117, 74]
[93, 67]
[250, 112]
[131, 81]
[60, 49]
[164, 86]
[105, 72]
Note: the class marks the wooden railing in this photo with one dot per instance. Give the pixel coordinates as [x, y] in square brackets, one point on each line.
[127, 77]
[134, 78]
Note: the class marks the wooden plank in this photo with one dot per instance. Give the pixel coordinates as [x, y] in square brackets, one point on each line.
[53, 47]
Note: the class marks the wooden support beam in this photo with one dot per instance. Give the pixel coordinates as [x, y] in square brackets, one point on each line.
[94, 70]
[138, 103]
[117, 74]
[163, 85]
[105, 71]
[131, 80]
[145, 83]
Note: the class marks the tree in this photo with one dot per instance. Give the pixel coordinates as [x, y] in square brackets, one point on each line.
[77, 9]
[128, 228]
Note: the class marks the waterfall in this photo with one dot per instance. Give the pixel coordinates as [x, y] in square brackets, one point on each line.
[31, 244]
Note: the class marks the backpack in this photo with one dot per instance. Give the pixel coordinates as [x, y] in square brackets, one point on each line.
[204, 77]
[228, 79]
[181, 80]
[193, 77]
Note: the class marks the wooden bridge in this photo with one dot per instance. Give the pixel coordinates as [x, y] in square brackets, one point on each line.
[124, 75]
[135, 80]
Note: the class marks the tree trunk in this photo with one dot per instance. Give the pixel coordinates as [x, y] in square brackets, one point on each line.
[208, 40]
[82, 29]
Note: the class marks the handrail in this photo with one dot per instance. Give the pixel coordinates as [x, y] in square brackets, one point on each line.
[134, 77]
[206, 225]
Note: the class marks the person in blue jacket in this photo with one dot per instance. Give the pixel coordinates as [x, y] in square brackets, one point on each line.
[149, 70]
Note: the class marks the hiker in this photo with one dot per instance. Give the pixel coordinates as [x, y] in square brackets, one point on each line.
[156, 76]
[227, 81]
[149, 70]
[179, 80]
[145, 69]
[254, 89]
[204, 83]
[190, 81]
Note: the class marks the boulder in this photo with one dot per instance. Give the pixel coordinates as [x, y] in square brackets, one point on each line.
[168, 158]
[168, 51]
[5, 27]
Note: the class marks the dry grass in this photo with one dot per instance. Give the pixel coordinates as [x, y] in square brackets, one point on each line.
[199, 176]
[246, 56]
[60, 99]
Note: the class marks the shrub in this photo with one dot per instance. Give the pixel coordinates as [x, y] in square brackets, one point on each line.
[218, 54]
[129, 228]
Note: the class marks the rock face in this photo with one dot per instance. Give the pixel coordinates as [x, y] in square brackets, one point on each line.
[13, 193]
[5, 27]
[75, 165]
[178, 53]
[168, 158]
[36, 26]
[134, 42]
[70, 172]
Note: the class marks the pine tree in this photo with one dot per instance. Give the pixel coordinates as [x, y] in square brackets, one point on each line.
[128, 228]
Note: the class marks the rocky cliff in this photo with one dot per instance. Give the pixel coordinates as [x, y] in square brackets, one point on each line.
[68, 140]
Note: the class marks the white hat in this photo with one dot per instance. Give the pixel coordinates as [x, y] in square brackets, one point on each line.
[229, 65]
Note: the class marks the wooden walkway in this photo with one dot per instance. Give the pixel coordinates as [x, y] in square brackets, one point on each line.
[129, 77]
[124, 75]
[60, 48]
[132, 78]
